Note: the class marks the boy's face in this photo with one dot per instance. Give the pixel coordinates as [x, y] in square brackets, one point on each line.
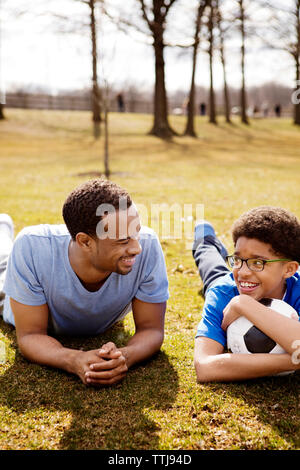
[269, 283]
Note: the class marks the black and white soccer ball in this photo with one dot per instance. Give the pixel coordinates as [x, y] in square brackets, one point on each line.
[245, 338]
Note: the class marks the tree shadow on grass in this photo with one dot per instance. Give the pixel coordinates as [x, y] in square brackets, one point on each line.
[271, 402]
[50, 409]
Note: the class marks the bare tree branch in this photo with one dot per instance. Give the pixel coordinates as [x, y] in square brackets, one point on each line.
[145, 16]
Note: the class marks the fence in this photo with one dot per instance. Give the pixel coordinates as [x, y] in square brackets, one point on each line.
[84, 103]
[70, 102]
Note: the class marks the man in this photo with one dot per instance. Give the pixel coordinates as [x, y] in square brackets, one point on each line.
[82, 277]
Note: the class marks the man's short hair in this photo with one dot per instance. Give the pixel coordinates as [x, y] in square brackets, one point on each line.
[272, 225]
[80, 207]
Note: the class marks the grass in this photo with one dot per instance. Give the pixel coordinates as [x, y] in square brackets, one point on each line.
[228, 169]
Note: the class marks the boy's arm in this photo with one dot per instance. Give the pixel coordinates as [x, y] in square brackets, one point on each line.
[212, 364]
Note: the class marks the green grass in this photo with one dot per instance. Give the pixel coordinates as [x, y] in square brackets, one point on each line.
[229, 169]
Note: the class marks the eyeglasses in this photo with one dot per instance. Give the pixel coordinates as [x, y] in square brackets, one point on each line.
[254, 264]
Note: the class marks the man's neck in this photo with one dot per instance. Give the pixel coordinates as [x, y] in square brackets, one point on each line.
[90, 278]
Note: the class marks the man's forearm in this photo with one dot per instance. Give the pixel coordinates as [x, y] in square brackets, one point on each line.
[142, 346]
[45, 350]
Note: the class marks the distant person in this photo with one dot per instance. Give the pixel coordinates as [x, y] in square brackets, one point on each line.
[265, 110]
[121, 104]
[202, 109]
[80, 279]
[277, 110]
[256, 111]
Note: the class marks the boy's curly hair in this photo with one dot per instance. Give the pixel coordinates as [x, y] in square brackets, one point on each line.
[80, 207]
[274, 226]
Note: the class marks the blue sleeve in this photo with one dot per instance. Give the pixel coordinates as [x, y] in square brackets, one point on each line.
[292, 295]
[21, 280]
[212, 316]
[154, 286]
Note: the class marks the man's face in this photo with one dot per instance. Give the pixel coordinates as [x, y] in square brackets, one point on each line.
[269, 283]
[118, 245]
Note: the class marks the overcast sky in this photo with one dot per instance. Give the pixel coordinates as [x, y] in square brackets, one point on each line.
[34, 53]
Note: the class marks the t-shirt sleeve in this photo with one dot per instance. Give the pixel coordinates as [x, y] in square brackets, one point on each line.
[292, 295]
[212, 316]
[21, 280]
[154, 287]
[297, 307]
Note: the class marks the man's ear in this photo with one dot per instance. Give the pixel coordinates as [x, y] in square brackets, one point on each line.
[84, 240]
[291, 268]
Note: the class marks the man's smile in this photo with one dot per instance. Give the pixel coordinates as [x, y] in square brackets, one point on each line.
[128, 261]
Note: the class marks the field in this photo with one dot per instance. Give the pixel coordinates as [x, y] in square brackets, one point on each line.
[228, 169]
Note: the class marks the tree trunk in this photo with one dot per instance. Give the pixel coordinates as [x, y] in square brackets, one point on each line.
[223, 61]
[161, 127]
[297, 63]
[106, 147]
[297, 104]
[96, 95]
[1, 112]
[226, 92]
[212, 103]
[190, 125]
[243, 87]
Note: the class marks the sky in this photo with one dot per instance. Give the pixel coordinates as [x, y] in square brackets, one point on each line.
[35, 52]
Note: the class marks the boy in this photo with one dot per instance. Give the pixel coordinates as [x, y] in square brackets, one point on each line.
[264, 265]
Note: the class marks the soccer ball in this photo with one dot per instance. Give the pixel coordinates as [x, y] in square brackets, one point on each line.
[245, 338]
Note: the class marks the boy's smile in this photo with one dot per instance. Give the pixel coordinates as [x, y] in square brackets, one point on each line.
[268, 283]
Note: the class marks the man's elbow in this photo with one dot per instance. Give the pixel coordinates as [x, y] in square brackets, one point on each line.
[27, 345]
[24, 342]
[159, 339]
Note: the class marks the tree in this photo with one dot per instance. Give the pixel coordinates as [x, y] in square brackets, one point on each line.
[241, 18]
[66, 24]
[222, 32]
[106, 130]
[96, 94]
[190, 127]
[283, 33]
[212, 101]
[155, 18]
[1, 104]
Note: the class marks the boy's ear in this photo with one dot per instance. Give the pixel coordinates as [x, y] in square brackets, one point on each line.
[291, 268]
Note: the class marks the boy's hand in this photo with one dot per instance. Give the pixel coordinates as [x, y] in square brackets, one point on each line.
[234, 309]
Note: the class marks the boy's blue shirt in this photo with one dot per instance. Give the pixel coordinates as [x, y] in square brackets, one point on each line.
[220, 294]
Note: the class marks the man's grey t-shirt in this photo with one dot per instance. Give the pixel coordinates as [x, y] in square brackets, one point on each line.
[39, 272]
